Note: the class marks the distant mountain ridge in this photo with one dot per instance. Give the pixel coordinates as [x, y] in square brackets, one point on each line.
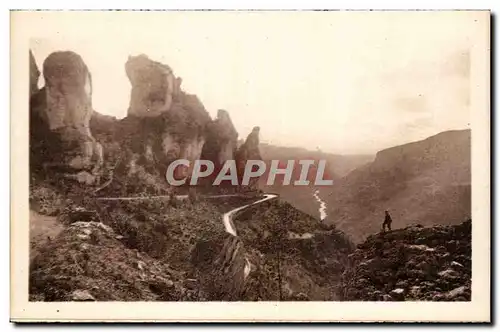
[428, 182]
[338, 164]
[301, 197]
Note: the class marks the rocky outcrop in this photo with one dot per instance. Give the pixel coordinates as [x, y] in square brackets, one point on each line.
[249, 150]
[164, 123]
[61, 113]
[34, 75]
[153, 86]
[221, 265]
[222, 140]
[411, 264]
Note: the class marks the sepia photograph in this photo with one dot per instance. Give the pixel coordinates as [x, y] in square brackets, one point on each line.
[233, 165]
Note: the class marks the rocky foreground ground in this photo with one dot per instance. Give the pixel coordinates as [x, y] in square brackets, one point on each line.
[411, 264]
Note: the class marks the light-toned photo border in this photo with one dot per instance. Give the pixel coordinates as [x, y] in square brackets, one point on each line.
[26, 25]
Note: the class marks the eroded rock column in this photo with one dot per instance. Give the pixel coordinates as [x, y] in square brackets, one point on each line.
[65, 106]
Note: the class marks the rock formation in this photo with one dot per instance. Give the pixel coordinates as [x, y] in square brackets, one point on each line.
[164, 122]
[63, 108]
[34, 75]
[221, 267]
[248, 151]
[153, 86]
[411, 264]
[222, 140]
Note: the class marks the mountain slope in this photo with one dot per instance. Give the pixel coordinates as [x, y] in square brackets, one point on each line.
[427, 182]
[302, 197]
[294, 256]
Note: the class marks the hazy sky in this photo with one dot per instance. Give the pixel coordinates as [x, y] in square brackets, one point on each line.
[346, 82]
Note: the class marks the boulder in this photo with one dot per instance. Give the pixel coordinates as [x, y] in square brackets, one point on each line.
[448, 274]
[81, 295]
[398, 294]
[456, 292]
[86, 262]
[456, 265]
[415, 291]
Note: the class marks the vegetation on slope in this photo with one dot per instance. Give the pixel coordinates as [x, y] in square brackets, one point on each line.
[299, 257]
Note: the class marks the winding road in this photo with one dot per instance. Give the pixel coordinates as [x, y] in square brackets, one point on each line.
[226, 217]
[229, 225]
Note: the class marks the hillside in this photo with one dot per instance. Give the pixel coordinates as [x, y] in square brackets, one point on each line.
[298, 257]
[411, 264]
[426, 182]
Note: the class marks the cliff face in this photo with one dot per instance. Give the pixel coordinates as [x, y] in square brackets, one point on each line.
[61, 113]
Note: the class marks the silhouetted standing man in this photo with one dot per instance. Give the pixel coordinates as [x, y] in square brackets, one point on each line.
[387, 221]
